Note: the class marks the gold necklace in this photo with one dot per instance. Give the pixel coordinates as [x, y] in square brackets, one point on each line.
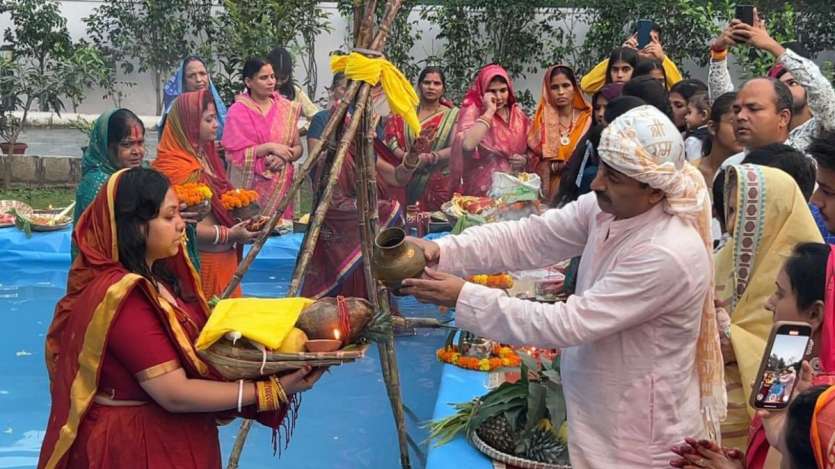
[564, 137]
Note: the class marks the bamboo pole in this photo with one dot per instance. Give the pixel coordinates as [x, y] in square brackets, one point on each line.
[368, 231]
[315, 153]
[336, 118]
[318, 217]
[368, 221]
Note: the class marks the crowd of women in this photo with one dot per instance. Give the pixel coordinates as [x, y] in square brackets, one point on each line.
[120, 349]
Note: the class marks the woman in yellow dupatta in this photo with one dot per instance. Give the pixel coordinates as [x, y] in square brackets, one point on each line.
[562, 118]
[767, 216]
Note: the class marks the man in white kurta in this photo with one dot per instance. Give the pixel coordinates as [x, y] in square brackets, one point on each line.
[630, 336]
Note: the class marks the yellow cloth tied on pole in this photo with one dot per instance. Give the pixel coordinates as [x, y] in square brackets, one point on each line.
[399, 92]
[266, 321]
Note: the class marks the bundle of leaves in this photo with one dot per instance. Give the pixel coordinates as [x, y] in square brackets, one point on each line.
[526, 418]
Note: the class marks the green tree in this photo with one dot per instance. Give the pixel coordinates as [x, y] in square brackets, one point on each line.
[46, 66]
[401, 39]
[522, 36]
[244, 28]
[149, 35]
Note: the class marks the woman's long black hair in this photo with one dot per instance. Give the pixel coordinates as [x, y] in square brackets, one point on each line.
[282, 63]
[139, 196]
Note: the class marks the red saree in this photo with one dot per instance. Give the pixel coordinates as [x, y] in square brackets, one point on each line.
[429, 187]
[245, 129]
[471, 172]
[181, 158]
[544, 138]
[758, 445]
[111, 331]
[336, 265]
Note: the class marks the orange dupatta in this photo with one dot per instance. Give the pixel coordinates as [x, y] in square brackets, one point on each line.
[544, 135]
[77, 338]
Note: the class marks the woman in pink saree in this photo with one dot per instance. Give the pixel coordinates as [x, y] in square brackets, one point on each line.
[261, 138]
[491, 134]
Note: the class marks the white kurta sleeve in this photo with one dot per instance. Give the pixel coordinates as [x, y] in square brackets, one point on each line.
[530, 243]
[819, 91]
[642, 285]
[719, 79]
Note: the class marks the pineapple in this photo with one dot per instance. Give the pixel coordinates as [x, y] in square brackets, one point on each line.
[497, 432]
[520, 418]
[542, 444]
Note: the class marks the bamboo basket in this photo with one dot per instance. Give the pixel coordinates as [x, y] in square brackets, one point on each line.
[240, 361]
[511, 460]
[22, 209]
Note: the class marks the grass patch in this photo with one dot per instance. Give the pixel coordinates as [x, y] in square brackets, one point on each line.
[40, 197]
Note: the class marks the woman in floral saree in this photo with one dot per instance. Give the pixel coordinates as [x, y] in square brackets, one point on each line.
[187, 153]
[127, 385]
[491, 135]
[766, 216]
[261, 138]
[429, 186]
[562, 118]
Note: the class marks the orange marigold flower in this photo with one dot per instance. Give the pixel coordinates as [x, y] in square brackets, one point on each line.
[238, 198]
[192, 193]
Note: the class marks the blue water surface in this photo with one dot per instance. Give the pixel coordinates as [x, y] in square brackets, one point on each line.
[345, 421]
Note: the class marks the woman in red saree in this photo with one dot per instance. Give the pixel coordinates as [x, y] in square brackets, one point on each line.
[491, 135]
[562, 118]
[805, 293]
[127, 386]
[261, 138]
[429, 186]
[187, 153]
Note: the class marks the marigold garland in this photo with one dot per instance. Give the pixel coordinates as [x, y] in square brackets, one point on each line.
[502, 356]
[238, 198]
[503, 281]
[192, 193]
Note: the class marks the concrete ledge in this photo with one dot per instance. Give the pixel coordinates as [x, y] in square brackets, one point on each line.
[43, 171]
[66, 119]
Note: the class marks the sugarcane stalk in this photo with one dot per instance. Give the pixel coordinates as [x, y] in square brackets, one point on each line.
[387, 350]
[364, 210]
[336, 118]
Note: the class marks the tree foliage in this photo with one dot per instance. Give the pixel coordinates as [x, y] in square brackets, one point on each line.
[521, 36]
[401, 39]
[149, 35]
[244, 28]
[46, 67]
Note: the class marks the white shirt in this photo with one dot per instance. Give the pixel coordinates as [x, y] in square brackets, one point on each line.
[628, 336]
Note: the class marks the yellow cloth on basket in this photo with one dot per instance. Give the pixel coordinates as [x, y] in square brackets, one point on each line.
[266, 321]
[400, 94]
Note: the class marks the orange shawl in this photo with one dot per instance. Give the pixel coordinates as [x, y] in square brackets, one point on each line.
[178, 157]
[544, 136]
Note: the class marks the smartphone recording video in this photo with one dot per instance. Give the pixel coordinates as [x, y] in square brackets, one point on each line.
[780, 368]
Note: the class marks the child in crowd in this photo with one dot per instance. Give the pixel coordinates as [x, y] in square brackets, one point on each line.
[698, 115]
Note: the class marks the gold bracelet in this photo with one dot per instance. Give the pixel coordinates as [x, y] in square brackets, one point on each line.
[484, 121]
[267, 396]
[282, 394]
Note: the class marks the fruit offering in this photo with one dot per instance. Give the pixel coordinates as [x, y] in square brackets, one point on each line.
[503, 281]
